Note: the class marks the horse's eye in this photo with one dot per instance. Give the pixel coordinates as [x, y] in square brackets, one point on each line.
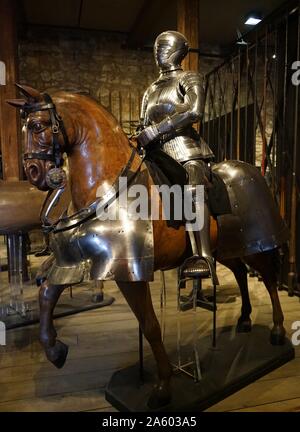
[38, 127]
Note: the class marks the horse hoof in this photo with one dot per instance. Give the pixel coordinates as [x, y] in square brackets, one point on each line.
[57, 354]
[244, 326]
[277, 336]
[159, 397]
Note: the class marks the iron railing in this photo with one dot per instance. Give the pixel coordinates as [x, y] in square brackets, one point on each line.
[251, 114]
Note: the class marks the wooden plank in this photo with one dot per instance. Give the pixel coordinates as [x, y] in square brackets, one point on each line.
[289, 405]
[45, 369]
[88, 400]
[55, 385]
[9, 116]
[188, 25]
[291, 369]
[259, 393]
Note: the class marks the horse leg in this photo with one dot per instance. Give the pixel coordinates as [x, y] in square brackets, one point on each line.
[264, 264]
[240, 272]
[55, 350]
[138, 297]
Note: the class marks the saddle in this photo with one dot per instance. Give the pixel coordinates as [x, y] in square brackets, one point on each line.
[166, 170]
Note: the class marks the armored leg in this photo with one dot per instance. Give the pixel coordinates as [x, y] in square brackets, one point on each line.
[201, 264]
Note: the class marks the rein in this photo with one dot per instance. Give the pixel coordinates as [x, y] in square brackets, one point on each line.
[108, 198]
[87, 213]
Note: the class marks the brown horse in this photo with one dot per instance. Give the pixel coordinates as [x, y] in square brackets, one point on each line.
[97, 149]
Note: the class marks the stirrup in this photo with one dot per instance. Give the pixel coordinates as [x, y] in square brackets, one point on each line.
[195, 267]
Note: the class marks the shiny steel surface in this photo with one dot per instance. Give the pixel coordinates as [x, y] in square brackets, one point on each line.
[170, 107]
[170, 48]
[173, 103]
[120, 249]
[255, 224]
[198, 172]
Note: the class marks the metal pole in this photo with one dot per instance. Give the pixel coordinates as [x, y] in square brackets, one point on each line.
[219, 122]
[282, 156]
[121, 109]
[245, 158]
[292, 276]
[214, 114]
[274, 156]
[223, 110]
[209, 111]
[255, 102]
[130, 116]
[214, 343]
[226, 120]
[196, 288]
[232, 111]
[239, 108]
[17, 258]
[141, 355]
[163, 303]
[264, 140]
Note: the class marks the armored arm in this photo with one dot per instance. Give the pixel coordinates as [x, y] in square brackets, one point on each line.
[189, 112]
[143, 119]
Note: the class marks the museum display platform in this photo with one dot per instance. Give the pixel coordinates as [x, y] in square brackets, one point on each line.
[238, 360]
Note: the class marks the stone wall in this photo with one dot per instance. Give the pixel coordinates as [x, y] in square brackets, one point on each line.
[92, 62]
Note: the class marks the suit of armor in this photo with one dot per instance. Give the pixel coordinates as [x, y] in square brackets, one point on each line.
[170, 107]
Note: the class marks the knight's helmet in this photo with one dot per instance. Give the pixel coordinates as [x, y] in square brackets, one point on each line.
[170, 48]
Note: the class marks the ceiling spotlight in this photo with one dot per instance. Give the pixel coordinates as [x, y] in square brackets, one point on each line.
[253, 19]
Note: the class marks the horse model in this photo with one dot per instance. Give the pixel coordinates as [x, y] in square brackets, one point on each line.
[127, 251]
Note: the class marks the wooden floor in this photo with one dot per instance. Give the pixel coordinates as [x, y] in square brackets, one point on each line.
[105, 340]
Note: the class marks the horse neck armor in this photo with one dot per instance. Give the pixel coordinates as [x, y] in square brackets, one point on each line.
[120, 249]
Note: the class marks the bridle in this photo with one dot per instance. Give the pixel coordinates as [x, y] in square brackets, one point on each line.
[57, 127]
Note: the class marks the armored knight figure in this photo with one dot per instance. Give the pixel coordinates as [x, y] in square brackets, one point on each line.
[170, 107]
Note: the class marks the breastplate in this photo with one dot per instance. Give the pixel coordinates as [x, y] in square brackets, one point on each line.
[164, 100]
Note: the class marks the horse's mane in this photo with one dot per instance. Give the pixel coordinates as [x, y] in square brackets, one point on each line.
[85, 101]
[76, 96]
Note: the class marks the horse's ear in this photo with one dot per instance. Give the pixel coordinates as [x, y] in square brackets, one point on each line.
[18, 103]
[30, 93]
